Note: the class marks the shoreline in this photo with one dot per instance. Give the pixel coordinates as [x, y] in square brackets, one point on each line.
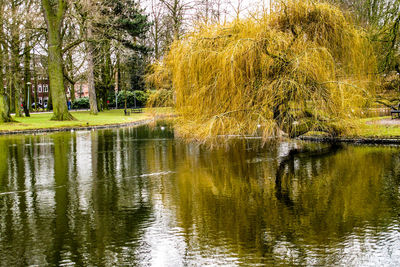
[42, 123]
[389, 140]
[81, 128]
[353, 140]
[323, 139]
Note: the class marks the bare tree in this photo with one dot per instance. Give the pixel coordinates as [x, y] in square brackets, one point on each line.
[210, 11]
[157, 15]
[88, 17]
[176, 13]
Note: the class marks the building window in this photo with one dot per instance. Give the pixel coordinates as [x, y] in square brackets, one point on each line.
[45, 88]
[39, 88]
[40, 100]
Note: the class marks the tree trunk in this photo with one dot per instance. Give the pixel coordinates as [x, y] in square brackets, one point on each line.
[17, 90]
[27, 65]
[35, 82]
[16, 79]
[4, 108]
[54, 17]
[27, 77]
[106, 74]
[73, 92]
[71, 78]
[90, 54]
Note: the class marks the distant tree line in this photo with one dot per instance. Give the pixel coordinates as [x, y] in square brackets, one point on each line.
[107, 43]
[110, 44]
[381, 19]
[102, 42]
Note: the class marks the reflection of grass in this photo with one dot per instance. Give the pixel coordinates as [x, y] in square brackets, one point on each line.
[83, 118]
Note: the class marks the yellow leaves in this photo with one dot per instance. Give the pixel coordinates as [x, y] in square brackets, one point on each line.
[305, 62]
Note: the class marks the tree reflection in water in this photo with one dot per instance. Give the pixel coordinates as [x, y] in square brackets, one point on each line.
[137, 196]
[296, 209]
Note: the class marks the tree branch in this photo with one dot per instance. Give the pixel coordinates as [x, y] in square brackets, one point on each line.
[72, 45]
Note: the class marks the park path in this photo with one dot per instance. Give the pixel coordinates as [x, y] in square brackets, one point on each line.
[386, 121]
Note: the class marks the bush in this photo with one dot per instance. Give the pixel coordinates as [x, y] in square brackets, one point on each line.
[81, 103]
[391, 82]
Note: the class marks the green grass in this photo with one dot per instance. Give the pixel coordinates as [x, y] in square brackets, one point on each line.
[39, 121]
[83, 119]
[366, 129]
[376, 130]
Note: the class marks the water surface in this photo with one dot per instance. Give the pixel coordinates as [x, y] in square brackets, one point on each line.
[137, 197]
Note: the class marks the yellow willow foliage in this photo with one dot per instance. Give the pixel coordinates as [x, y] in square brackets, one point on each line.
[160, 98]
[159, 78]
[303, 67]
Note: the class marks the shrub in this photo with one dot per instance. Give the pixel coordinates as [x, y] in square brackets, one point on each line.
[160, 98]
[81, 103]
[391, 82]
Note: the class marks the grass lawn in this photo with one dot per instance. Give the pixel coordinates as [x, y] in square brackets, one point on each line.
[370, 128]
[83, 119]
[376, 127]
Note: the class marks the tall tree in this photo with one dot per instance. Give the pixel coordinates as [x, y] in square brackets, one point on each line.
[27, 60]
[104, 71]
[176, 13]
[4, 103]
[54, 13]
[90, 71]
[157, 16]
[87, 17]
[125, 22]
[125, 26]
[382, 20]
[15, 47]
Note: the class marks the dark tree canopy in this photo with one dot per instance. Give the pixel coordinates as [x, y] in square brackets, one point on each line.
[128, 23]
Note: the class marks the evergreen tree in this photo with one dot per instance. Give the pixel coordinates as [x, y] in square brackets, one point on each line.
[125, 25]
[128, 23]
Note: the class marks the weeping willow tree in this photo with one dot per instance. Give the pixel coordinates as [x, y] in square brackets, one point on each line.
[303, 67]
[159, 78]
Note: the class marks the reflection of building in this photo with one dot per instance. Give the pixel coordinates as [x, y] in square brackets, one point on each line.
[43, 91]
[40, 80]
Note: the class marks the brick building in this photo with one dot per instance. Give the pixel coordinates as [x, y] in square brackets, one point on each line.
[43, 91]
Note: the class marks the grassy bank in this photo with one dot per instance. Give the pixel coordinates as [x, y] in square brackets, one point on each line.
[375, 128]
[41, 121]
[378, 127]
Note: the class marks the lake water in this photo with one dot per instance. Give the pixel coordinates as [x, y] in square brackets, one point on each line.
[137, 197]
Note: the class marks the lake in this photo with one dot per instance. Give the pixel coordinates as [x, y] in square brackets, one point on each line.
[138, 197]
